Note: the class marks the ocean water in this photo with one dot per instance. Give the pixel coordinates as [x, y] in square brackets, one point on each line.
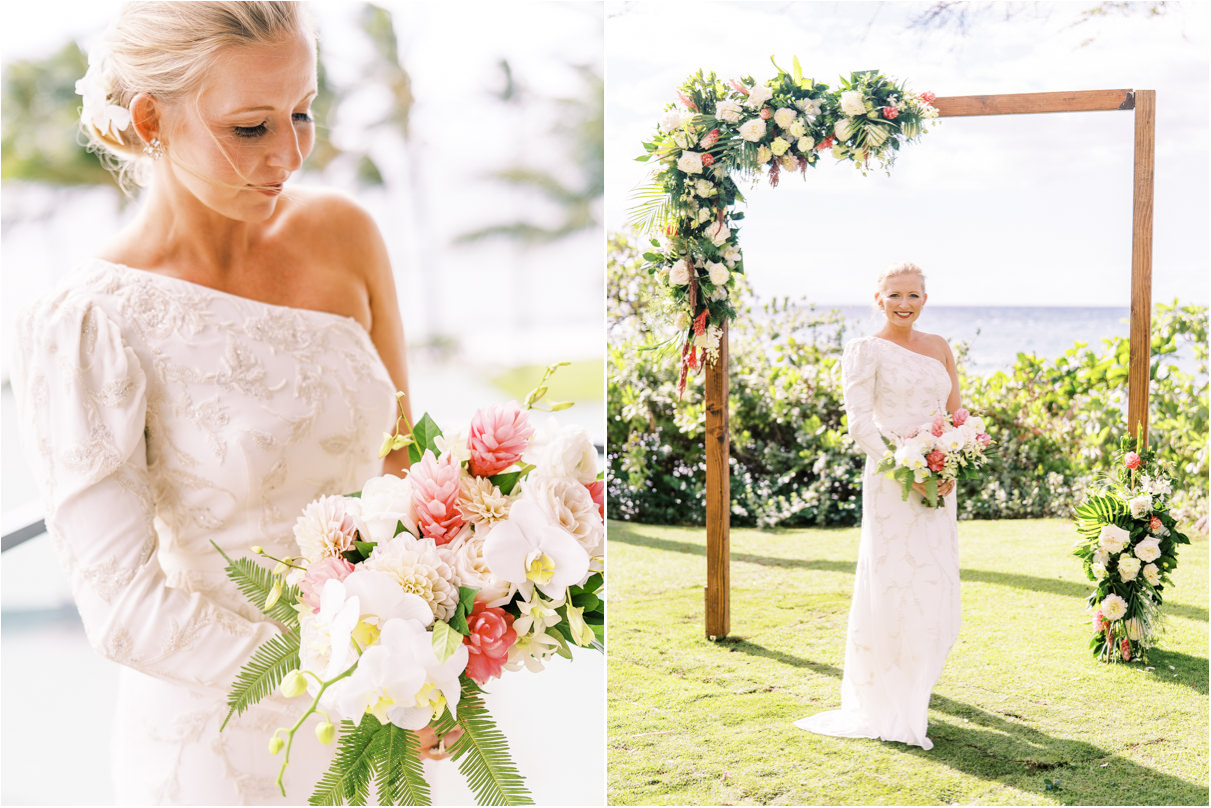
[995, 335]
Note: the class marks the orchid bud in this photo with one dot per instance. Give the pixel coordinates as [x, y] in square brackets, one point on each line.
[293, 684]
[325, 732]
[276, 744]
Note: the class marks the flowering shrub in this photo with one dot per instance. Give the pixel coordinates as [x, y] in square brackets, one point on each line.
[722, 130]
[1129, 548]
[792, 463]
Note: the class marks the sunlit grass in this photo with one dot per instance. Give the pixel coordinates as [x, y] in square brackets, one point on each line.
[1020, 702]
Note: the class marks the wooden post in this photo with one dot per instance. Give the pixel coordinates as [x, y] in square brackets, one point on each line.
[718, 497]
[1139, 369]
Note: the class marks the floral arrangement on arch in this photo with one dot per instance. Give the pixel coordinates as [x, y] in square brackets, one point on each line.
[410, 595]
[718, 130]
[1128, 545]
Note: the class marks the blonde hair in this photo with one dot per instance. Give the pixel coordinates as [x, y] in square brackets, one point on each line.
[896, 270]
[165, 49]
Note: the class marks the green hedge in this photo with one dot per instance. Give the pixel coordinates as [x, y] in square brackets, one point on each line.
[792, 463]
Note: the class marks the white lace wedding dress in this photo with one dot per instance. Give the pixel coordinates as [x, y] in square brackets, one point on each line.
[905, 612]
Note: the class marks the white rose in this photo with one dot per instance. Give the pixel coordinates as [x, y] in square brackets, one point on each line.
[764, 154]
[704, 215]
[1128, 567]
[387, 501]
[797, 128]
[1148, 550]
[679, 273]
[1113, 608]
[719, 293]
[1100, 556]
[465, 556]
[752, 130]
[852, 103]
[779, 146]
[1113, 539]
[789, 162]
[728, 110]
[805, 144]
[569, 505]
[1141, 506]
[1152, 575]
[976, 423]
[718, 233]
[758, 96]
[731, 255]
[785, 117]
[674, 119]
[717, 272]
[566, 452]
[704, 188]
[690, 162]
[1098, 570]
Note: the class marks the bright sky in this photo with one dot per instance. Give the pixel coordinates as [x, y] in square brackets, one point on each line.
[1028, 209]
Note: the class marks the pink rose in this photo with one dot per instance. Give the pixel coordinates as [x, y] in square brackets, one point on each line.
[1131, 460]
[938, 426]
[936, 460]
[890, 113]
[708, 159]
[1154, 524]
[928, 98]
[318, 574]
[499, 434]
[435, 489]
[492, 636]
[960, 416]
[766, 114]
[597, 490]
[983, 439]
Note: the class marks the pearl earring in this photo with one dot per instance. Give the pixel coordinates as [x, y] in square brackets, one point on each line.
[154, 149]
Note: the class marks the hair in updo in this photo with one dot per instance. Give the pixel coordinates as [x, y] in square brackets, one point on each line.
[165, 49]
[896, 270]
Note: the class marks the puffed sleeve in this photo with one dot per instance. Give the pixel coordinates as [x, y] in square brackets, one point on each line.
[82, 399]
[858, 366]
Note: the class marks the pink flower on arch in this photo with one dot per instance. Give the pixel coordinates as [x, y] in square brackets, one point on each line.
[766, 113]
[499, 434]
[890, 113]
[928, 97]
[738, 87]
[435, 489]
[708, 159]
[1155, 524]
[1131, 460]
[1125, 649]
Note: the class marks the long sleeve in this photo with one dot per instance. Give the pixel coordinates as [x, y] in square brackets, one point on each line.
[858, 369]
[82, 400]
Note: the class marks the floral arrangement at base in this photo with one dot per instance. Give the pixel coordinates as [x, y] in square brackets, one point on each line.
[721, 129]
[949, 447]
[409, 596]
[1128, 544]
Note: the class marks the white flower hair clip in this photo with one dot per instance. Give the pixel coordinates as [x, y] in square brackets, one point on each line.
[108, 119]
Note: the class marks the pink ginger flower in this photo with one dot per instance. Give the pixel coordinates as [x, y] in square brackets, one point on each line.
[827, 143]
[711, 138]
[890, 113]
[318, 574]
[488, 645]
[687, 102]
[499, 434]
[435, 488]
[984, 439]
[738, 87]
[597, 492]
[1125, 649]
[708, 159]
[960, 416]
[936, 460]
[938, 426]
[1131, 460]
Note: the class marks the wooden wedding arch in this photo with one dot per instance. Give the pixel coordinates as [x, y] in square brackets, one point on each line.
[1143, 102]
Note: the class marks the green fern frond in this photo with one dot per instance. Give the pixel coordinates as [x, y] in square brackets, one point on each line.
[263, 672]
[1097, 511]
[651, 209]
[399, 775]
[348, 778]
[482, 753]
[256, 582]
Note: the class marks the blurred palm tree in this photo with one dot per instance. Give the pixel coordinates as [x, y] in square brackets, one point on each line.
[577, 195]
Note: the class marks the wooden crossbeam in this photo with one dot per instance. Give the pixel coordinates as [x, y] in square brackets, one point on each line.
[1033, 103]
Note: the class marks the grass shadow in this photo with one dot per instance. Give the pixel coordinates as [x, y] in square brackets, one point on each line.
[1191, 670]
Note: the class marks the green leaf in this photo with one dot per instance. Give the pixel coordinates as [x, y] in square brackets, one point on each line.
[508, 480]
[399, 775]
[261, 675]
[445, 640]
[256, 583]
[348, 778]
[366, 547]
[482, 753]
[424, 435]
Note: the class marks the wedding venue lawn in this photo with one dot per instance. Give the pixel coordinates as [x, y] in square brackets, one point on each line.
[1021, 715]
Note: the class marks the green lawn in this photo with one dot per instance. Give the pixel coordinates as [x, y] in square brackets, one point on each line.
[1020, 703]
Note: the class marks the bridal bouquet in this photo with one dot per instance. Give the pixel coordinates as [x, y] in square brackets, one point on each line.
[948, 447]
[1128, 544]
[409, 595]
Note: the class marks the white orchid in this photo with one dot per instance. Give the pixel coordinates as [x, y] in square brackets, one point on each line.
[528, 550]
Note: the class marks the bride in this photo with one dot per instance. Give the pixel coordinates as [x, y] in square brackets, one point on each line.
[228, 357]
[905, 612]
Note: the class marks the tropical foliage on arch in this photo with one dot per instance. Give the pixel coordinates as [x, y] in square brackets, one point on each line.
[719, 131]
